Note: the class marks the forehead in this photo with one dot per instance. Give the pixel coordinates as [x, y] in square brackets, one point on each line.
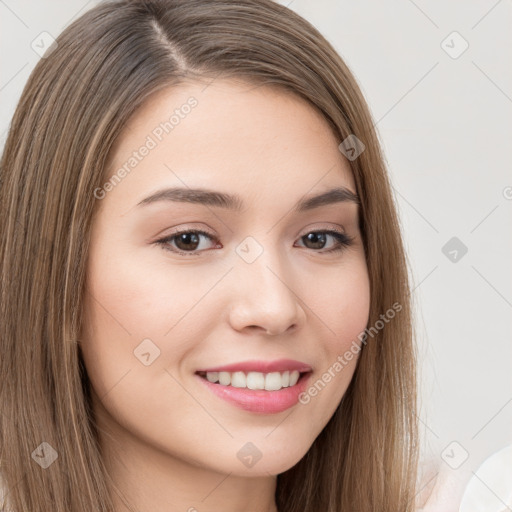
[229, 135]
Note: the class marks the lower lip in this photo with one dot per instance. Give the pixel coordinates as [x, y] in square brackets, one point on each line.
[260, 400]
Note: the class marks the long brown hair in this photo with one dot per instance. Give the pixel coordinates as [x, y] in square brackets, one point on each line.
[72, 110]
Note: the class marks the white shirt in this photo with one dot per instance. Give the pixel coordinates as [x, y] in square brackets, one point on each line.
[488, 489]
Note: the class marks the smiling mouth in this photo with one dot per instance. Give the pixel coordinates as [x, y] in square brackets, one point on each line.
[272, 381]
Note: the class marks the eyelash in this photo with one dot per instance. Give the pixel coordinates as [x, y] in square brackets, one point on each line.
[343, 241]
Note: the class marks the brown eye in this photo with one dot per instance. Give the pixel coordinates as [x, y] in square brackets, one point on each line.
[317, 240]
[185, 242]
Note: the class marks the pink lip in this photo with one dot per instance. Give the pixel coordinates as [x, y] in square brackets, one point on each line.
[259, 401]
[280, 365]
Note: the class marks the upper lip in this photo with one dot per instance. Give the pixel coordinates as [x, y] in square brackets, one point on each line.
[279, 365]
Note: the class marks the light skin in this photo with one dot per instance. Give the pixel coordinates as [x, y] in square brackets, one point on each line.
[171, 444]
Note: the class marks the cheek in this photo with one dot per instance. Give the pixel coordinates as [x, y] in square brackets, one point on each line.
[137, 312]
[118, 316]
[132, 298]
[351, 321]
[342, 303]
[343, 306]
[126, 353]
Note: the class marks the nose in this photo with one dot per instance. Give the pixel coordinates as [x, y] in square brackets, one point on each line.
[264, 298]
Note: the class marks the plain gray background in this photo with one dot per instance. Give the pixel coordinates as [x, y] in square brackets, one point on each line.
[443, 113]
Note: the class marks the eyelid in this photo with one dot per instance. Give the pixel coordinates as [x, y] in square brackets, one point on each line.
[187, 229]
[308, 229]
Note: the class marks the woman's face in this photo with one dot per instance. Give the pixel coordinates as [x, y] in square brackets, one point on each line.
[260, 285]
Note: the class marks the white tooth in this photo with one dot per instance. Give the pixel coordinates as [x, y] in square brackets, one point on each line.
[255, 380]
[238, 380]
[273, 381]
[225, 378]
[212, 376]
[294, 377]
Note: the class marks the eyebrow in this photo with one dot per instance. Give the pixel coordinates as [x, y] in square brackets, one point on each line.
[234, 202]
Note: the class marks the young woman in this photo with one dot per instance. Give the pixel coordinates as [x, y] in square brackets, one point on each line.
[205, 302]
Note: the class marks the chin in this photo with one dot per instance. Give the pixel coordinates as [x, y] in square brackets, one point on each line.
[268, 457]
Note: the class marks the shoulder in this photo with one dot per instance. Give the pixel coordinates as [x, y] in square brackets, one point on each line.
[442, 488]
